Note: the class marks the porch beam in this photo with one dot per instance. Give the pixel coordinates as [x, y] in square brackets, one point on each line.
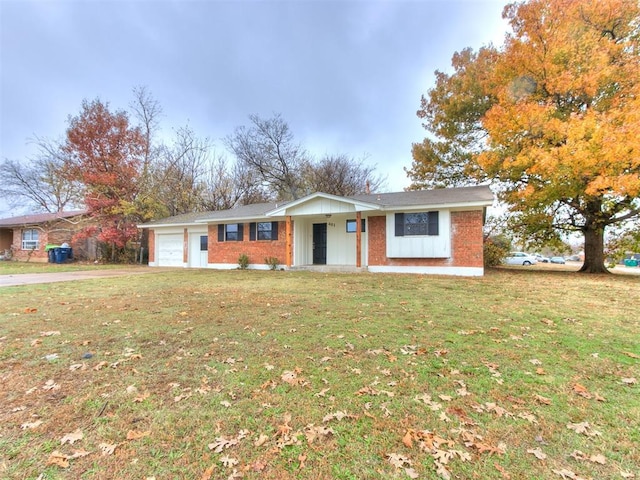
[358, 239]
[289, 241]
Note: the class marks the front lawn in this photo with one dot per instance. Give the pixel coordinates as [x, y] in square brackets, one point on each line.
[201, 374]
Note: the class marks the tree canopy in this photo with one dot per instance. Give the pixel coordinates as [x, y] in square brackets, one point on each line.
[552, 118]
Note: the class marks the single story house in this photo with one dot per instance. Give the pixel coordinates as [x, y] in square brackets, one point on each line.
[25, 237]
[424, 231]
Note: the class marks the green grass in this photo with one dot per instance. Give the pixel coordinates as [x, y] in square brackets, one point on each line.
[264, 359]
[18, 267]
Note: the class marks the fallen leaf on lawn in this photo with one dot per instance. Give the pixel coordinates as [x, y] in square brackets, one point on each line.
[136, 434]
[36, 342]
[108, 448]
[227, 461]
[540, 455]
[631, 354]
[222, 443]
[30, 310]
[302, 458]
[100, 365]
[411, 473]
[141, 398]
[398, 460]
[31, 425]
[18, 409]
[72, 437]
[50, 333]
[78, 454]
[311, 432]
[583, 428]
[540, 371]
[542, 400]
[625, 474]
[225, 403]
[629, 381]
[322, 392]
[599, 458]
[566, 473]
[581, 390]
[58, 459]
[206, 475]
[261, 440]
[131, 389]
[77, 366]
[337, 416]
[535, 361]
[50, 385]
[407, 440]
[506, 475]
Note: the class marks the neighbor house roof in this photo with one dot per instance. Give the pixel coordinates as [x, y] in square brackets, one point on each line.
[256, 210]
[38, 218]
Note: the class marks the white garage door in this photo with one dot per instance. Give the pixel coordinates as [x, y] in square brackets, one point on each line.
[170, 250]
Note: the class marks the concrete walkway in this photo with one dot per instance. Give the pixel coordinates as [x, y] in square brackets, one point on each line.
[34, 278]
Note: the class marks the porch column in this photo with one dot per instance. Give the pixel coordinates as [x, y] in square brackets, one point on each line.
[358, 239]
[289, 241]
[185, 246]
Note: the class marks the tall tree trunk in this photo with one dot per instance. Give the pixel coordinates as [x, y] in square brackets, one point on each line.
[593, 249]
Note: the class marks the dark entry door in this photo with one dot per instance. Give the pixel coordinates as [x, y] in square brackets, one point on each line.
[319, 243]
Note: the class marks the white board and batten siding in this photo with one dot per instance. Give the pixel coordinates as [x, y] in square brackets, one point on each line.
[322, 206]
[421, 246]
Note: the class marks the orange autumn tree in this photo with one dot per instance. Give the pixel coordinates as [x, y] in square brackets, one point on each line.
[552, 118]
[104, 154]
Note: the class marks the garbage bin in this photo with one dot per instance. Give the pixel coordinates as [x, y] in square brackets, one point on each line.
[52, 255]
[61, 254]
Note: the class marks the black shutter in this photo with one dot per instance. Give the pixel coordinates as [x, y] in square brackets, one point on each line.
[221, 232]
[274, 230]
[252, 231]
[399, 224]
[363, 227]
[433, 223]
[240, 229]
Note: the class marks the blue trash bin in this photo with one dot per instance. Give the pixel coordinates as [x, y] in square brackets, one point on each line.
[61, 254]
[52, 255]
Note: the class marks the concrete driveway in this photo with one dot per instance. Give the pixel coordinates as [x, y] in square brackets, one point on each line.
[34, 278]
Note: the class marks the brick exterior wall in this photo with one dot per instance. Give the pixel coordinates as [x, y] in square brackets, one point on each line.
[54, 233]
[256, 250]
[466, 243]
[152, 246]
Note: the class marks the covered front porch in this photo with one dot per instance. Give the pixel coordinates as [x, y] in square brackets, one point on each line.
[326, 232]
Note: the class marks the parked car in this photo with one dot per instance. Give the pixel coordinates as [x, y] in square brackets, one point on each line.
[573, 258]
[541, 258]
[520, 258]
[557, 260]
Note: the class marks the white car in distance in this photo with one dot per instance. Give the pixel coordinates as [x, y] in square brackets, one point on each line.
[520, 258]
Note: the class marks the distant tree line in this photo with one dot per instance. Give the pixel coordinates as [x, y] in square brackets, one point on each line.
[115, 165]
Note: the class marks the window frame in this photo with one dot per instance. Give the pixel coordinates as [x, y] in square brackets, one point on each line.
[429, 227]
[352, 221]
[30, 243]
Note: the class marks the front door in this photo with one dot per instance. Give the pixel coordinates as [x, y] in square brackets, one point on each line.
[319, 243]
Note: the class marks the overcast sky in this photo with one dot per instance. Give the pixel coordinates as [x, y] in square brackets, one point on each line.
[346, 75]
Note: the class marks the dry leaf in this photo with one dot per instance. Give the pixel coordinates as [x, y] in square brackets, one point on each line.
[583, 428]
[630, 354]
[506, 475]
[108, 448]
[407, 440]
[629, 381]
[540, 455]
[542, 400]
[31, 425]
[206, 475]
[58, 459]
[72, 437]
[261, 440]
[136, 434]
[398, 460]
[599, 458]
[228, 461]
[141, 398]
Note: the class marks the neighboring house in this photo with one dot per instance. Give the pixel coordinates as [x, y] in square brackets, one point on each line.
[28, 235]
[428, 231]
